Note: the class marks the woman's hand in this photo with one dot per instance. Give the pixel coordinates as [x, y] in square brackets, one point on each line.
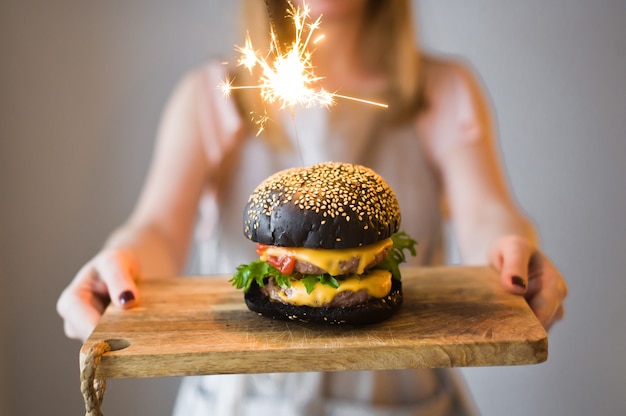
[108, 277]
[526, 271]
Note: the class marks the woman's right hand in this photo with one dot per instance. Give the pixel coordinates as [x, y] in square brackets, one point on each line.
[109, 277]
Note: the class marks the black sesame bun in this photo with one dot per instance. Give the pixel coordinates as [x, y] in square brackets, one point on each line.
[328, 205]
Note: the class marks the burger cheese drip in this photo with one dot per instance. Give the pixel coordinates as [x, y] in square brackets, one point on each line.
[332, 261]
[376, 284]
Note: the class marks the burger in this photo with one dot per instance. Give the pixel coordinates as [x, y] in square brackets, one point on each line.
[329, 246]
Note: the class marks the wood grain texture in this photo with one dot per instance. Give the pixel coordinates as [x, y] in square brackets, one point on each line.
[451, 317]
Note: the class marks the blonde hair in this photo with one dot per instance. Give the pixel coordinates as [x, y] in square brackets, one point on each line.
[389, 46]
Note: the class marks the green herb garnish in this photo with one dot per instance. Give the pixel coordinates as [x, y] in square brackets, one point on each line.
[256, 271]
[401, 243]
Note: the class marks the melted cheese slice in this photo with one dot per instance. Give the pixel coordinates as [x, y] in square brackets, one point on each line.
[331, 259]
[376, 282]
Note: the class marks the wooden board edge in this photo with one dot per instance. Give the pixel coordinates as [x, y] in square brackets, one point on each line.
[391, 358]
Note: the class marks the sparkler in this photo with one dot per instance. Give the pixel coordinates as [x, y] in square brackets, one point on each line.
[288, 77]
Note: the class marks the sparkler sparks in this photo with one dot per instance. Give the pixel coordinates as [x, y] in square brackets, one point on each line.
[288, 77]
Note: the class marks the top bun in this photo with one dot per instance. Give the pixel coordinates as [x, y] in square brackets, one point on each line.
[328, 205]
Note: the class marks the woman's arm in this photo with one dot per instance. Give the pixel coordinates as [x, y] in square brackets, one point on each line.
[160, 227]
[155, 239]
[489, 226]
[461, 140]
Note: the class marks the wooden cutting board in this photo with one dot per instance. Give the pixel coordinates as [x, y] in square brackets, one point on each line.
[451, 317]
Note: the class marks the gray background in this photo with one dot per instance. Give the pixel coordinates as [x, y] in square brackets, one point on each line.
[82, 85]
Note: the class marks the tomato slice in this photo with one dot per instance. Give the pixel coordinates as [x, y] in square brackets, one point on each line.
[285, 264]
[260, 248]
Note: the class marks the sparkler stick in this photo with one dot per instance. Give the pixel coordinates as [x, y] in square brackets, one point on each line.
[270, 17]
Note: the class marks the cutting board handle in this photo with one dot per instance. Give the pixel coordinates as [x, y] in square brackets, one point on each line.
[93, 387]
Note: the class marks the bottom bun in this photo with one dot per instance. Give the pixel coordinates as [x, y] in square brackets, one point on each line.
[374, 310]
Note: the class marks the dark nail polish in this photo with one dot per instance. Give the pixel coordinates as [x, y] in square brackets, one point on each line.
[127, 297]
[518, 281]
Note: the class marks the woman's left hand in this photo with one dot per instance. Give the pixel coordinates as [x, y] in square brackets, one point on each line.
[524, 270]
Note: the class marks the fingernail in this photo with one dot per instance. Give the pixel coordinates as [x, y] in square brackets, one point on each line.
[518, 281]
[127, 297]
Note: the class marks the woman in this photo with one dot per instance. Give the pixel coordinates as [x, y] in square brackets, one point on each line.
[434, 145]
